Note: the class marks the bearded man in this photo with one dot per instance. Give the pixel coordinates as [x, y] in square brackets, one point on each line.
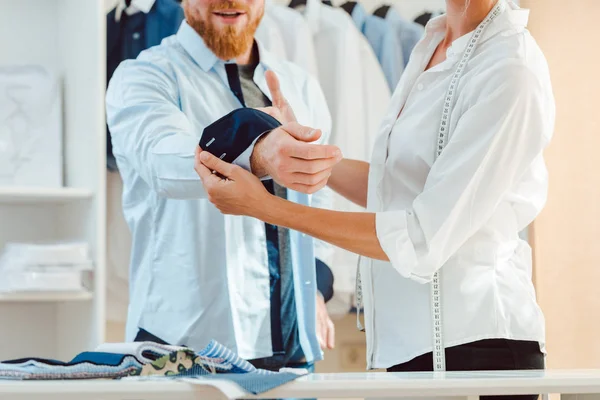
[195, 274]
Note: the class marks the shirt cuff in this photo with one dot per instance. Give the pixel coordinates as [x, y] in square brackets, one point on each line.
[243, 160]
[394, 238]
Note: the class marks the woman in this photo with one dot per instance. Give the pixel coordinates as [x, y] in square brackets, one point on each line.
[456, 173]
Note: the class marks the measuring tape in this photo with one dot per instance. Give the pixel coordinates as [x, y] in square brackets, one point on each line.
[439, 357]
[439, 354]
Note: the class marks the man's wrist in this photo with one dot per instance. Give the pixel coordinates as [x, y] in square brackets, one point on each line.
[257, 164]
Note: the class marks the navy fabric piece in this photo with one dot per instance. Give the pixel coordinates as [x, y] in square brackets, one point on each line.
[145, 336]
[41, 360]
[231, 135]
[275, 282]
[233, 78]
[324, 280]
[128, 37]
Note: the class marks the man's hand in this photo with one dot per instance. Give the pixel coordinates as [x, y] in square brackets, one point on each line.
[325, 327]
[286, 154]
[281, 109]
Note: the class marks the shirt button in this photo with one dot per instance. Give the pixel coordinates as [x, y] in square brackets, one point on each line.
[420, 86]
[136, 36]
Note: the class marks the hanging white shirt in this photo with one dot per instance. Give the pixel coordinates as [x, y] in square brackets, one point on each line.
[463, 213]
[284, 32]
[357, 95]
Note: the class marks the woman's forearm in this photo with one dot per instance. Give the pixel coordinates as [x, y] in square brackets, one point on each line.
[350, 178]
[354, 232]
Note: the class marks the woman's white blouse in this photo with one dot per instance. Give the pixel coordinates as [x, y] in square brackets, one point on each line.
[463, 213]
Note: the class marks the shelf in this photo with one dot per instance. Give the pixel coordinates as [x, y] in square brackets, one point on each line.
[45, 296]
[21, 195]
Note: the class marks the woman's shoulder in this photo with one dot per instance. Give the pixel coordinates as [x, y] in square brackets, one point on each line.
[514, 52]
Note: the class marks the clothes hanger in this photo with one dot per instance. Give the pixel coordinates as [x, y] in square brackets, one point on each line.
[297, 3]
[300, 3]
[139, 6]
[349, 6]
[382, 11]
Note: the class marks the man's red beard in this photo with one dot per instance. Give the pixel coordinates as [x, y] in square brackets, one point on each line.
[226, 43]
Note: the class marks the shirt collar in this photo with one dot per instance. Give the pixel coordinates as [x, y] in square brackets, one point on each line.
[512, 17]
[194, 45]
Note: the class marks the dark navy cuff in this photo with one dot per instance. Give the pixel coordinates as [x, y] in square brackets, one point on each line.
[324, 280]
[229, 136]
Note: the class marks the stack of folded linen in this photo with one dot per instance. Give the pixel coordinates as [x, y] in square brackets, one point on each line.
[148, 360]
[27, 267]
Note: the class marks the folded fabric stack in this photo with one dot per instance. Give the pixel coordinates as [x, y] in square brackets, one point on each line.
[27, 267]
[88, 365]
[148, 360]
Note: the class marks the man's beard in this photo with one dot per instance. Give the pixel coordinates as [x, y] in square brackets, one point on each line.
[226, 43]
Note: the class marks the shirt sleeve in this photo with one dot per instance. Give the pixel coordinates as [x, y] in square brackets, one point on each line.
[150, 132]
[494, 143]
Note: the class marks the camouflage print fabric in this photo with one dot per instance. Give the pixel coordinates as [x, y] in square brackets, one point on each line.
[174, 364]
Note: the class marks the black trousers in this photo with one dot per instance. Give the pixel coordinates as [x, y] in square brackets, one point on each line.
[484, 355]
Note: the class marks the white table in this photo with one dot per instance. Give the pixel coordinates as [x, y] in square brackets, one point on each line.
[572, 384]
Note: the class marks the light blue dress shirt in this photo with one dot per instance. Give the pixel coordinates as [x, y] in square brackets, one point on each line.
[408, 32]
[196, 274]
[385, 43]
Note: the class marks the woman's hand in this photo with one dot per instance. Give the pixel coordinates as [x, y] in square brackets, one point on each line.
[239, 193]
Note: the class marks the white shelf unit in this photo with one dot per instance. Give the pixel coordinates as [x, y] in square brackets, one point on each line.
[27, 195]
[69, 37]
[44, 297]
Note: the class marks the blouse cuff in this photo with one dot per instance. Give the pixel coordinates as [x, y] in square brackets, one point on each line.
[395, 240]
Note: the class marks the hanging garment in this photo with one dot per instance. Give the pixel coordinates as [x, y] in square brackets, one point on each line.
[270, 36]
[285, 32]
[383, 39]
[409, 33]
[358, 95]
[130, 32]
[221, 260]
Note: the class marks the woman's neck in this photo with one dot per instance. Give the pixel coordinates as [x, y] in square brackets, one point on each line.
[462, 20]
